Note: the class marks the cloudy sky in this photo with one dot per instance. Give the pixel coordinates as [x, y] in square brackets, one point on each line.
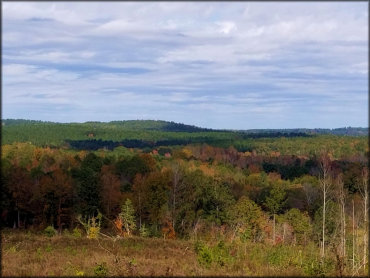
[234, 65]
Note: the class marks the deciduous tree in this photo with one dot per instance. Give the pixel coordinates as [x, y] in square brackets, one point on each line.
[274, 202]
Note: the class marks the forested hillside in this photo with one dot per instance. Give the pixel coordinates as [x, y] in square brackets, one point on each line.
[220, 199]
[244, 201]
[147, 135]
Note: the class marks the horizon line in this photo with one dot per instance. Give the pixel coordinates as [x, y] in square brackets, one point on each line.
[214, 129]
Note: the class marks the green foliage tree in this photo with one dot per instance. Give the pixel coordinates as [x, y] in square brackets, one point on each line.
[155, 196]
[247, 219]
[274, 203]
[88, 185]
[300, 223]
[220, 200]
[331, 223]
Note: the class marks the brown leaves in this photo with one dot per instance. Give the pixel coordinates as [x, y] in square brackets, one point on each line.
[119, 225]
[168, 230]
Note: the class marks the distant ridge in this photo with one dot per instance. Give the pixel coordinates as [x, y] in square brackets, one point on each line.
[171, 126]
[350, 131]
[129, 124]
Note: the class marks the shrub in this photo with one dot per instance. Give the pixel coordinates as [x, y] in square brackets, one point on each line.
[218, 254]
[221, 254]
[66, 233]
[154, 231]
[279, 256]
[198, 245]
[92, 225]
[77, 233]
[93, 232]
[39, 253]
[49, 248]
[50, 231]
[144, 231]
[205, 256]
[101, 270]
[168, 230]
[314, 267]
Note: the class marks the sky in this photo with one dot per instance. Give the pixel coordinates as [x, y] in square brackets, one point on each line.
[227, 65]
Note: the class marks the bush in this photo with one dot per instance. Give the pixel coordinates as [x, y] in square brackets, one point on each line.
[280, 256]
[50, 231]
[77, 233]
[204, 254]
[314, 267]
[207, 255]
[154, 231]
[221, 254]
[144, 231]
[49, 248]
[101, 270]
[92, 225]
[198, 245]
[93, 232]
[66, 233]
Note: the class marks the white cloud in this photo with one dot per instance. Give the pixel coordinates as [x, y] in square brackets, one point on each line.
[226, 26]
[219, 59]
[16, 69]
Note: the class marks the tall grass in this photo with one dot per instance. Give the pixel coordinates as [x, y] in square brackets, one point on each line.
[31, 254]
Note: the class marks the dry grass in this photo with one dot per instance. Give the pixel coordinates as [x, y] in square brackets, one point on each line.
[36, 255]
[26, 254]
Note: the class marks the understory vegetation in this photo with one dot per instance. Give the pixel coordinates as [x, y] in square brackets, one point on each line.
[35, 254]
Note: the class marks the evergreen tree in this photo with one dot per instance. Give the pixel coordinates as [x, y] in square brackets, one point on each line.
[127, 217]
[88, 185]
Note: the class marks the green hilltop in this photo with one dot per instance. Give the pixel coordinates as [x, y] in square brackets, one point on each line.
[150, 134]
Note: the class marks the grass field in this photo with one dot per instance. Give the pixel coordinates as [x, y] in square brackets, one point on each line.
[30, 254]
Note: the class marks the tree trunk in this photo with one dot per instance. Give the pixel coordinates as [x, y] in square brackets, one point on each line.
[59, 216]
[323, 226]
[353, 235]
[139, 211]
[19, 219]
[344, 232]
[366, 232]
[364, 192]
[173, 207]
[273, 236]
[325, 183]
[108, 207]
[341, 197]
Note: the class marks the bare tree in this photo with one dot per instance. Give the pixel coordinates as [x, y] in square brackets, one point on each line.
[364, 190]
[341, 198]
[353, 236]
[325, 186]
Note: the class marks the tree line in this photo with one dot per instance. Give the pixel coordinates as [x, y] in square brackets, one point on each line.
[195, 190]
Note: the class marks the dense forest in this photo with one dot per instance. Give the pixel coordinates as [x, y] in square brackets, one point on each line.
[146, 134]
[294, 189]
